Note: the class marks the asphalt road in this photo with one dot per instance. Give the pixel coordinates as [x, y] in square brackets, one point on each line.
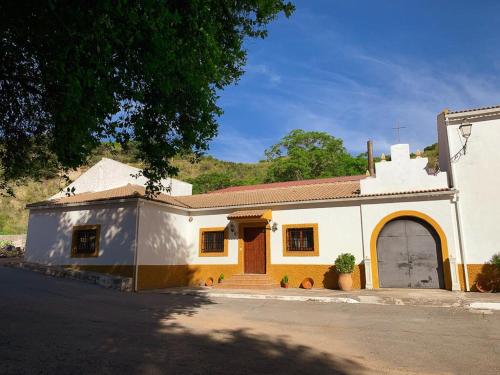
[58, 326]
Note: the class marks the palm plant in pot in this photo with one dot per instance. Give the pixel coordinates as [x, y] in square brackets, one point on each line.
[344, 265]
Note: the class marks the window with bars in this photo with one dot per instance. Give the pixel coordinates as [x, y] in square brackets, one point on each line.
[300, 239]
[212, 241]
[85, 241]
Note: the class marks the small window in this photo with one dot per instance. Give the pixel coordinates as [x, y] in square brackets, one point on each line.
[300, 240]
[213, 242]
[85, 241]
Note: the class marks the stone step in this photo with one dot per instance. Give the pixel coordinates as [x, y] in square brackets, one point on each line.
[248, 281]
[246, 286]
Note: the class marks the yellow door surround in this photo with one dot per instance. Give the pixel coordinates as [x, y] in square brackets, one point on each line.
[409, 213]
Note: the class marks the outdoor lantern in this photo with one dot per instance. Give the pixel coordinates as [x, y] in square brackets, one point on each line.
[274, 226]
[466, 129]
[232, 227]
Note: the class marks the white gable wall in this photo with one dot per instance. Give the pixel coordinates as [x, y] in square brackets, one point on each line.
[402, 174]
[109, 174]
[477, 178]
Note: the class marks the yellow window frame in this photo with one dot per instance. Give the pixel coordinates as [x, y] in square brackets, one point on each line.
[223, 253]
[292, 253]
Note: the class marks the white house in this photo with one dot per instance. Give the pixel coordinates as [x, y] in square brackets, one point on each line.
[108, 174]
[407, 227]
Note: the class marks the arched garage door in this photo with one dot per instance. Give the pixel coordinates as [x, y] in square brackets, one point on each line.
[409, 255]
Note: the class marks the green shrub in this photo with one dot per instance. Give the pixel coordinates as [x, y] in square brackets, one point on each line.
[284, 280]
[221, 277]
[495, 259]
[345, 263]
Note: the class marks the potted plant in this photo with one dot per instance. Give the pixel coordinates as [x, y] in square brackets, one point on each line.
[221, 278]
[284, 281]
[209, 281]
[344, 265]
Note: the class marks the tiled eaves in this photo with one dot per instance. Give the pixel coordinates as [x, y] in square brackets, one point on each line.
[474, 109]
[230, 204]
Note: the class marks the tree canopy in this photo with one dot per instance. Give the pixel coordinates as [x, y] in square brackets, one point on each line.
[304, 155]
[75, 73]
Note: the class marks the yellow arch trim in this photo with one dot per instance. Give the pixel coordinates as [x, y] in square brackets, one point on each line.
[433, 223]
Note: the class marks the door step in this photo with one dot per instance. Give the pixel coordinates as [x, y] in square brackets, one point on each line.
[248, 281]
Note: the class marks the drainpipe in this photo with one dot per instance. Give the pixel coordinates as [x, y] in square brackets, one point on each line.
[458, 212]
[136, 257]
[461, 242]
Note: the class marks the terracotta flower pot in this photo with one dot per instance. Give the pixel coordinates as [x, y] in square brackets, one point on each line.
[345, 281]
[209, 282]
[284, 285]
[307, 283]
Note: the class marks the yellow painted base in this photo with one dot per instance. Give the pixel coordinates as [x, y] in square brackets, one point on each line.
[157, 277]
[324, 276]
[476, 272]
[118, 270]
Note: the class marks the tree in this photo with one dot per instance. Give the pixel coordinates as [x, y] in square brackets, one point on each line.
[75, 73]
[303, 155]
[207, 182]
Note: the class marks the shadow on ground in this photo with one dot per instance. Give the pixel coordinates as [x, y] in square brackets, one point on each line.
[56, 326]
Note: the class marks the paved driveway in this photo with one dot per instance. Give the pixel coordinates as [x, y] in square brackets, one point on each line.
[57, 326]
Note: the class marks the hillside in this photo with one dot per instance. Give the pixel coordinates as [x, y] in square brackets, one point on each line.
[207, 174]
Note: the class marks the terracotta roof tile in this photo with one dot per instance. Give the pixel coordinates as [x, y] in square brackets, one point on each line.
[246, 214]
[303, 193]
[474, 109]
[315, 181]
[273, 195]
[127, 191]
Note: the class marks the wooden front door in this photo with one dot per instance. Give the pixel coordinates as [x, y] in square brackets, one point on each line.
[255, 249]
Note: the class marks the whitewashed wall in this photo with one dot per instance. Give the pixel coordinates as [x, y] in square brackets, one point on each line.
[339, 231]
[476, 176]
[109, 174]
[50, 232]
[166, 236]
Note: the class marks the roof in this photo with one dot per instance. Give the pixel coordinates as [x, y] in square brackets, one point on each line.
[273, 195]
[474, 109]
[250, 214]
[123, 192]
[290, 183]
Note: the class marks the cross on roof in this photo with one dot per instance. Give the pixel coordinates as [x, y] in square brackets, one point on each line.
[398, 128]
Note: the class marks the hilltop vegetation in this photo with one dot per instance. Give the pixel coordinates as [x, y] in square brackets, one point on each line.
[299, 155]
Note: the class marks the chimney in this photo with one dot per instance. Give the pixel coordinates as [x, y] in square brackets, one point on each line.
[371, 165]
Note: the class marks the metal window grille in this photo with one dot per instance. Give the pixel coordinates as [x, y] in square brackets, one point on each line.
[86, 241]
[300, 239]
[213, 242]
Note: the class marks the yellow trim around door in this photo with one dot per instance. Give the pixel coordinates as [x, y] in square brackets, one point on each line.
[419, 215]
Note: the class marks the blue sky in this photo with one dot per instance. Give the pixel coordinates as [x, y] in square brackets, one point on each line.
[355, 68]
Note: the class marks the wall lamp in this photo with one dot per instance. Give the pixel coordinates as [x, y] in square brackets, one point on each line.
[274, 226]
[465, 132]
